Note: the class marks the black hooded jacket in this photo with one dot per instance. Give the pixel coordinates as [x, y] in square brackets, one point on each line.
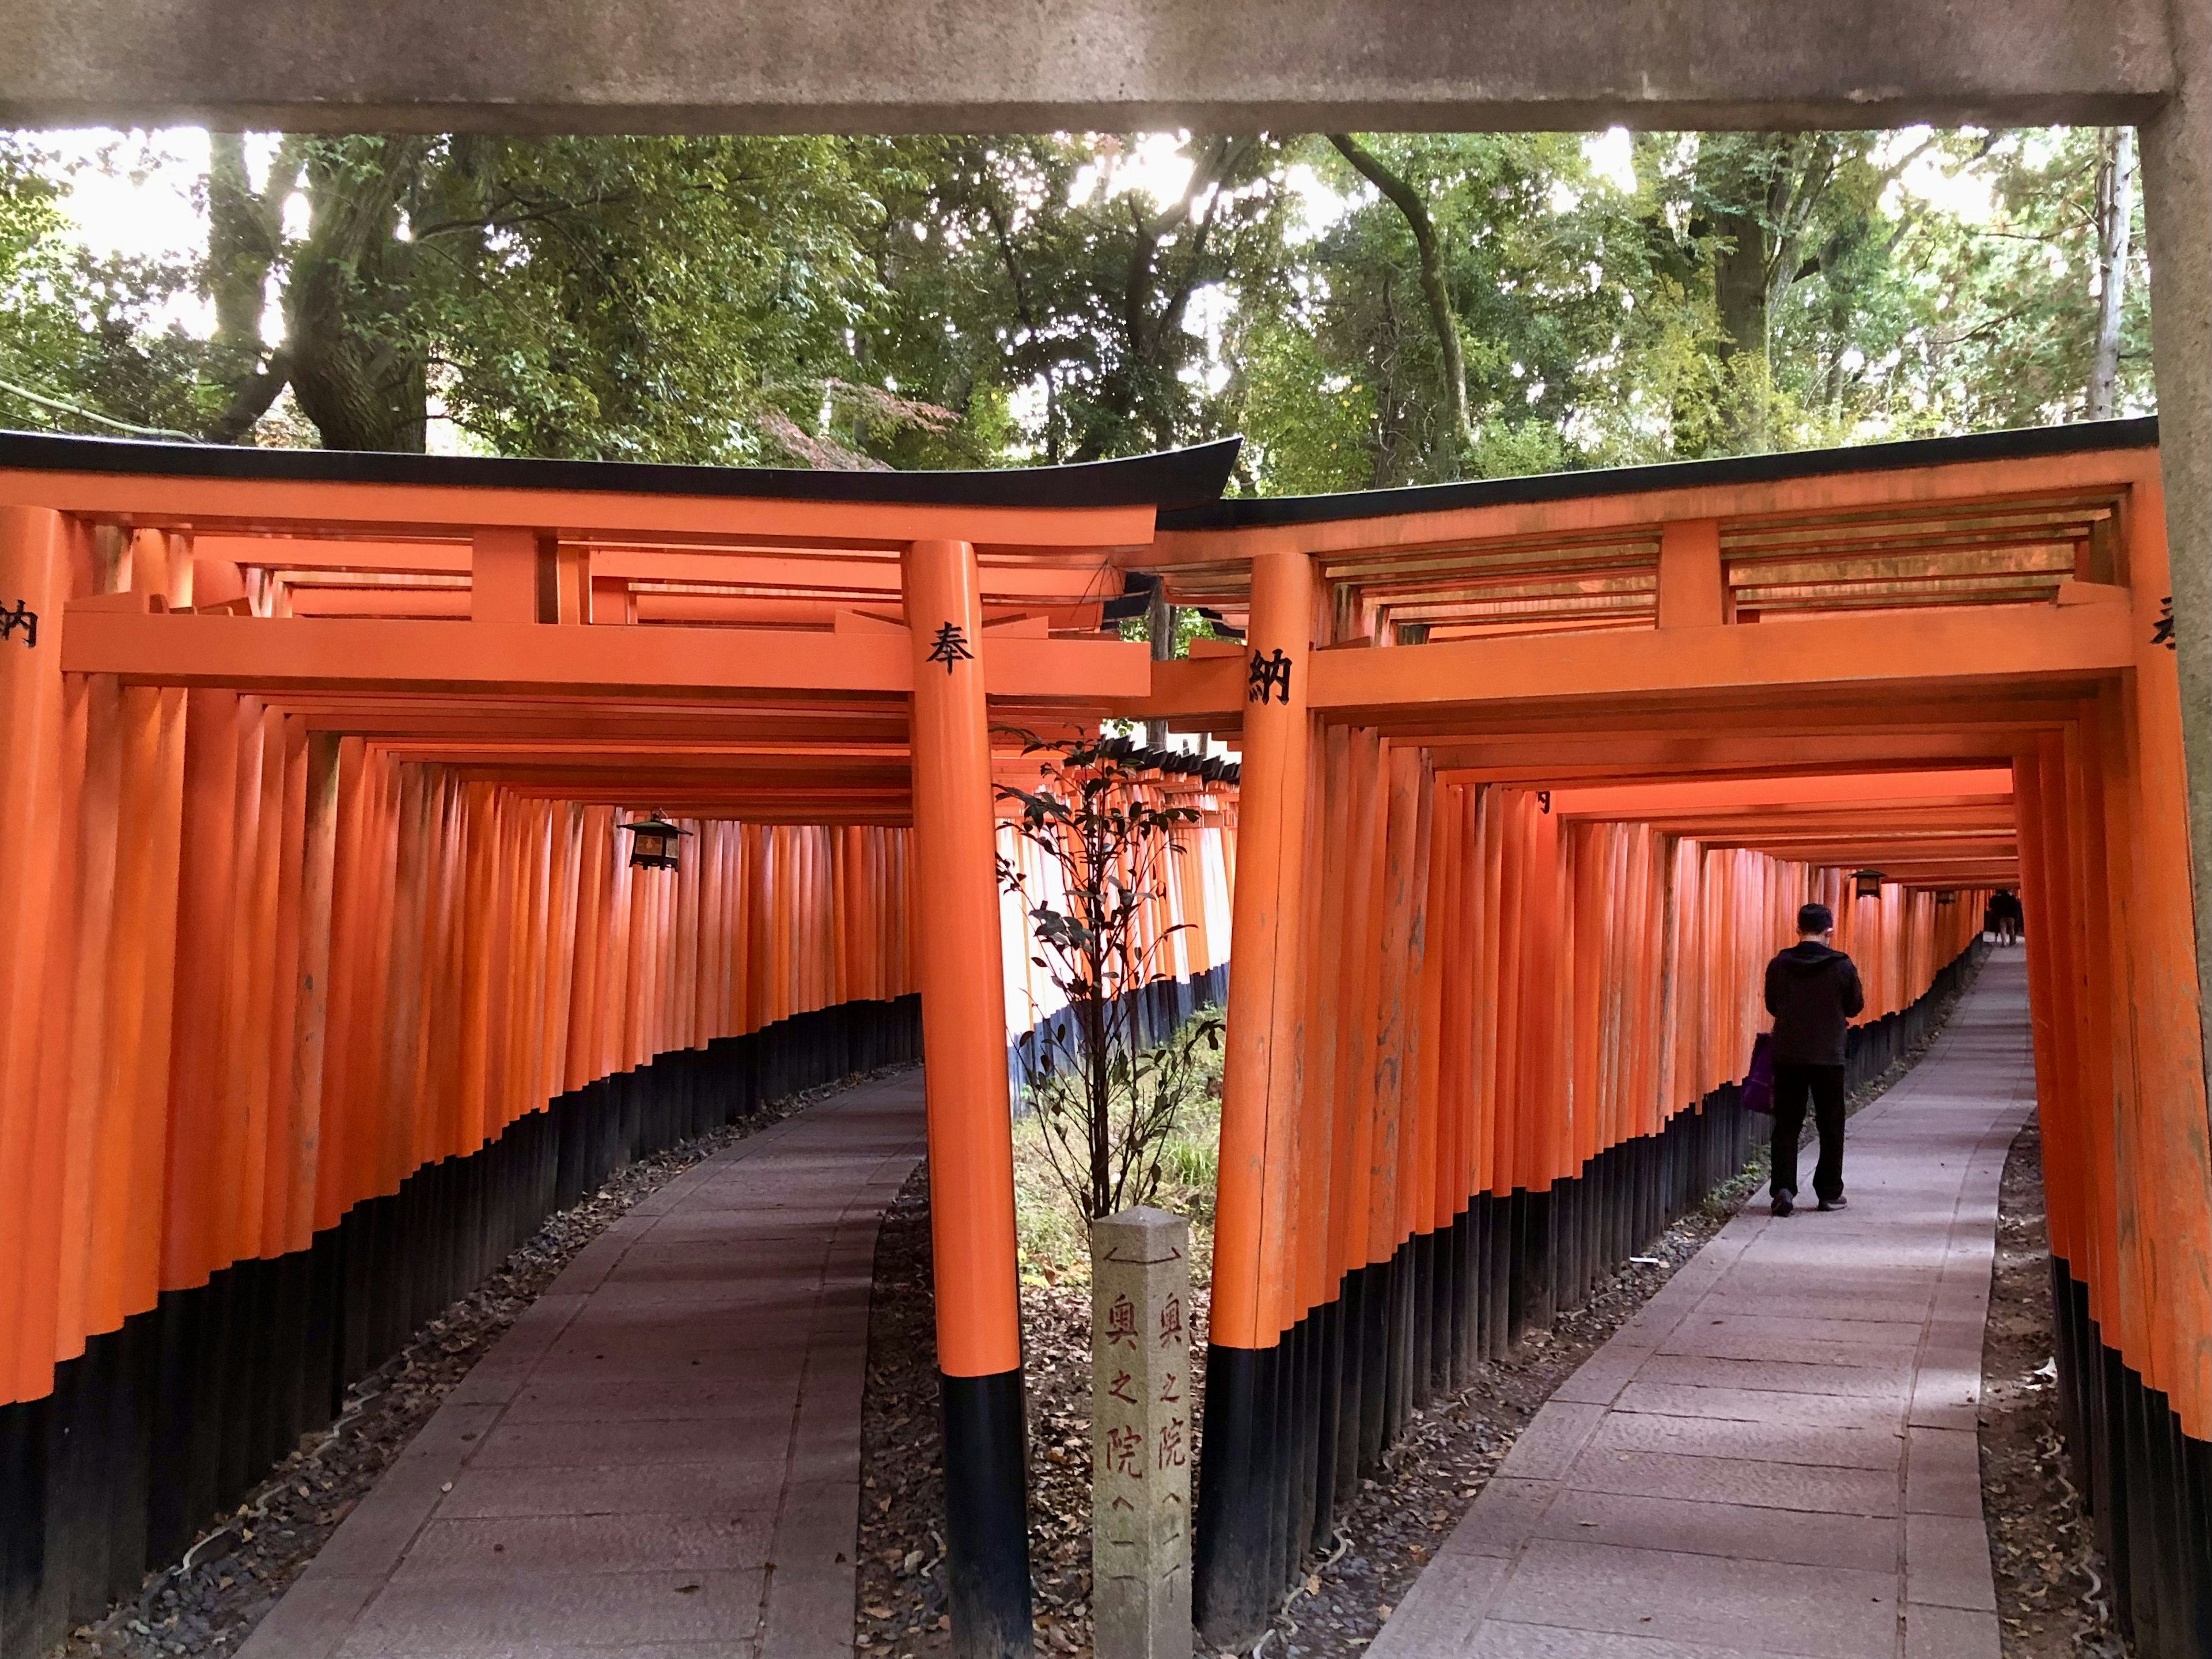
[1812, 992]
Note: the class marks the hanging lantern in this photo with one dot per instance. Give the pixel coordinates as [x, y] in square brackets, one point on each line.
[653, 846]
[1868, 883]
[1947, 896]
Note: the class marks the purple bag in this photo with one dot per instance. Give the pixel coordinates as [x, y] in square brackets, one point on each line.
[1758, 1081]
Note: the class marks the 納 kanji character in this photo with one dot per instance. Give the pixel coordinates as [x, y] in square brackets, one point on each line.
[1267, 674]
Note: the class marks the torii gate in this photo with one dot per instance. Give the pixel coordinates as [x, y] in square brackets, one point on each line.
[785, 647]
[1951, 659]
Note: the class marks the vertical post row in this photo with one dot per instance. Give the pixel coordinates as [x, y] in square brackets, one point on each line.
[34, 581]
[971, 1172]
[1245, 1464]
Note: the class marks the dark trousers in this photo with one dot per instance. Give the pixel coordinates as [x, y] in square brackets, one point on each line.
[1825, 1085]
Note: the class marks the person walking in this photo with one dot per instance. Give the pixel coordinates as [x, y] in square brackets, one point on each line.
[2009, 913]
[1813, 990]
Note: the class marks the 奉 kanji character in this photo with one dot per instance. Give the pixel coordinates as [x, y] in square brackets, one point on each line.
[951, 645]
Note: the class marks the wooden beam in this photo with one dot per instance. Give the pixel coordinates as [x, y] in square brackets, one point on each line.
[2016, 644]
[249, 653]
[1892, 656]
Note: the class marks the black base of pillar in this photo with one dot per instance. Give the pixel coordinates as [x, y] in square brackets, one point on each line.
[1233, 1584]
[2146, 1485]
[160, 1427]
[987, 1511]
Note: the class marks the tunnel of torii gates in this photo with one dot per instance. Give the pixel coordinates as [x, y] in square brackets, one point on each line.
[325, 975]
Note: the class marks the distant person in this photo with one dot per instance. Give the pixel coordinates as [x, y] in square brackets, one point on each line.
[2009, 915]
[1813, 991]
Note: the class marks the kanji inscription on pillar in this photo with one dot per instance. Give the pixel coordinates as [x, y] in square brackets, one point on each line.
[1141, 1419]
[21, 617]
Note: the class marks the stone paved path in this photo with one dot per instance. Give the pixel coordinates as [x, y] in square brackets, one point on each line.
[661, 1459]
[1776, 1456]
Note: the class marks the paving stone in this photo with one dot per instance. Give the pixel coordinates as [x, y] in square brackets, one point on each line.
[1947, 1562]
[1502, 1639]
[1600, 1378]
[1548, 1445]
[1503, 1517]
[1437, 1612]
[1946, 1391]
[1897, 1311]
[473, 1548]
[1721, 1339]
[649, 1440]
[1738, 1480]
[1740, 1531]
[1811, 1411]
[312, 1619]
[569, 1399]
[469, 1616]
[1826, 1611]
[1850, 1446]
[717, 1488]
[1780, 1376]
[1944, 1474]
[1950, 1633]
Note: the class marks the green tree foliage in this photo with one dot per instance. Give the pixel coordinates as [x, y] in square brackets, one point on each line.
[1107, 1101]
[1369, 310]
[1014, 265]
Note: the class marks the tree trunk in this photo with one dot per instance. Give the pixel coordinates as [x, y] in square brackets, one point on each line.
[1160, 631]
[245, 234]
[1434, 290]
[2116, 206]
[1739, 285]
[359, 374]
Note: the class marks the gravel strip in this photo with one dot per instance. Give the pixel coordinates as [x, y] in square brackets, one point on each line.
[234, 1574]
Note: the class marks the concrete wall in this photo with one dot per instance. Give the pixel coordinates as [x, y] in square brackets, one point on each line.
[2177, 152]
[984, 65]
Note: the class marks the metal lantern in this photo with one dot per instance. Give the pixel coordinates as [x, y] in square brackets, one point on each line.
[653, 845]
[1867, 883]
[1947, 896]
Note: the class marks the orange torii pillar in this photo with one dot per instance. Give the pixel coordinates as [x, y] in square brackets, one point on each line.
[971, 1168]
[1243, 1462]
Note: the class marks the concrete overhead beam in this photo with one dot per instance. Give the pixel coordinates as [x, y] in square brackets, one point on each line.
[997, 65]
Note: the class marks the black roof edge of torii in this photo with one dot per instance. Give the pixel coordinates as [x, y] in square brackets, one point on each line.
[1184, 485]
[2021, 443]
[1166, 480]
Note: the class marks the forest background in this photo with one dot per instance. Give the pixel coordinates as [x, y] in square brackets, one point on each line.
[1369, 310]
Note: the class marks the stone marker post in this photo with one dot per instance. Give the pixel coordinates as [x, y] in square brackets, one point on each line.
[1140, 1419]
